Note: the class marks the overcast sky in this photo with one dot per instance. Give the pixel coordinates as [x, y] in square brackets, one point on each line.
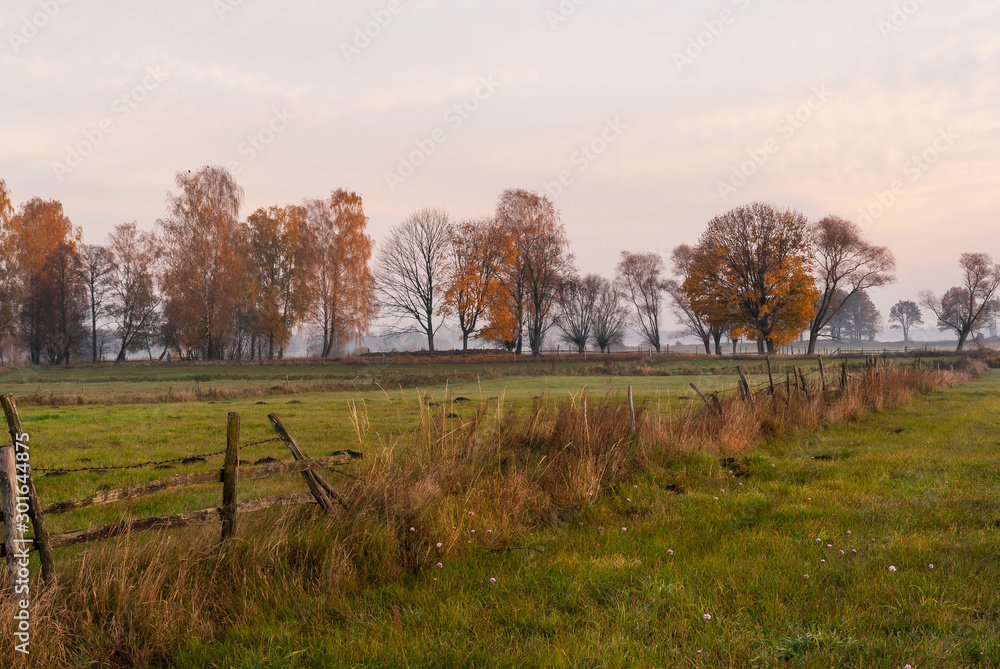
[685, 108]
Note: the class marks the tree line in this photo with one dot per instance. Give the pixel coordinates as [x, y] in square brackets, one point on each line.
[206, 285]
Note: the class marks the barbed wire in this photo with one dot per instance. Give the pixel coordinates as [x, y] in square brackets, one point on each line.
[186, 459]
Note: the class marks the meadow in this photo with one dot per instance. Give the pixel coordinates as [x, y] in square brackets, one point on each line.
[492, 526]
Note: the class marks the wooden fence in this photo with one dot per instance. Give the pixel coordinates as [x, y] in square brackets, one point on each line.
[20, 502]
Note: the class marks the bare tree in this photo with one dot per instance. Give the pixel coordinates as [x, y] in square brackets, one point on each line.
[96, 263]
[856, 317]
[610, 316]
[640, 277]
[963, 308]
[412, 272]
[576, 310]
[904, 315]
[134, 305]
[844, 261]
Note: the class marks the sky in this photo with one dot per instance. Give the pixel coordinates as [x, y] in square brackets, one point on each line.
[642, 120]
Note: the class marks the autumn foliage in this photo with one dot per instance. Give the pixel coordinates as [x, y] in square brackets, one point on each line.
[205, 284]
[752, 274]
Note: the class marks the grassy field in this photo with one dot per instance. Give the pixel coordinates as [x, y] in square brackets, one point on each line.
[787, 547]
[866, 545]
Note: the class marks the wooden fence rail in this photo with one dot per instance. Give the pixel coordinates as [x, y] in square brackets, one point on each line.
[20, 499]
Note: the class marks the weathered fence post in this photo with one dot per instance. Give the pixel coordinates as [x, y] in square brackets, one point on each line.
[822, 373]
[41, 539]
[13, 539]
[843, 375]
[230, 477]
[631, 411]
[319, 488]
[770, 377]
[805, 388]
[744, 386]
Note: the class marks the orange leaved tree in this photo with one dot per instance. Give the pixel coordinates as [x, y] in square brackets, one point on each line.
[282, 270]
[539, 266]
[342, 288]
[752, 268]
[479, 249]
[53, 303]
[204, 273]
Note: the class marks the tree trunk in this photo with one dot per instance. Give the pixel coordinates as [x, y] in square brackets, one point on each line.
[708, 345]
[962, 336]
[465, 341]
[718, 342]
[93, 332]
[430, 340]
[813, 336]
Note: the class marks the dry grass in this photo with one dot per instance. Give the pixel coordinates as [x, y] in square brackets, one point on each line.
[136, 601]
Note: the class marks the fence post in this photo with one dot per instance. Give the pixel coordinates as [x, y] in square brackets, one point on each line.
[822, 373]
[41, 539]
[631, 411]
[744, 386]
[770, 377]
[322, 493]
[230, 476]
[12, 537]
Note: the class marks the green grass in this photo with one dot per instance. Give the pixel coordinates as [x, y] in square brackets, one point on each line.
[589, 594]
[143, 381]
[583, 592]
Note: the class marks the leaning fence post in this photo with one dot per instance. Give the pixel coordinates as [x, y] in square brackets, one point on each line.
[822, 372]
[41, 540]
[230, 476]
[744, 386]
[322, 493]
[770, 377]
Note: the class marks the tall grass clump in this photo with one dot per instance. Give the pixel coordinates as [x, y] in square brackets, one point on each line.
[454, 486]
